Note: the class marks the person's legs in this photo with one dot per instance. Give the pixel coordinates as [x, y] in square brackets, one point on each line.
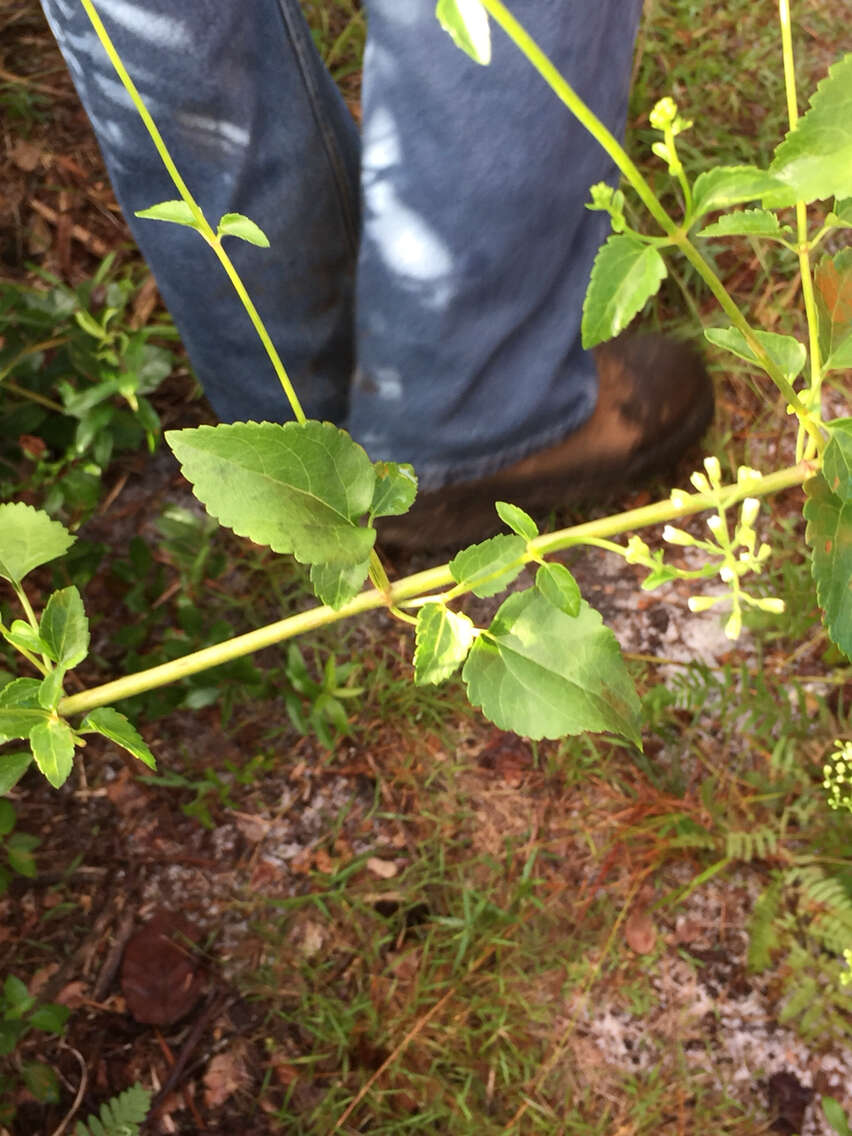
[256, 126]
[476, 246]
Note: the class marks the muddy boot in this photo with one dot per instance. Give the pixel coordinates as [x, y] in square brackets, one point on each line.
[654, 400]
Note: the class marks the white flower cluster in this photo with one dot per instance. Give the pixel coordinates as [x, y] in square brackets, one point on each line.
[737, 554]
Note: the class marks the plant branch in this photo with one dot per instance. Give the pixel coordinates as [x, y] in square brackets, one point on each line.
[415, 588]
[546, 69]
[201, 222]
[803, 247]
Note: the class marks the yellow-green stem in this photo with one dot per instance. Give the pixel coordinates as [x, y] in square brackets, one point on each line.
[803, 247]
[201, 221]
[415, 587]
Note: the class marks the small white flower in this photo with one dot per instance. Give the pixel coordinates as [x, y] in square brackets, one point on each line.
[749, 511]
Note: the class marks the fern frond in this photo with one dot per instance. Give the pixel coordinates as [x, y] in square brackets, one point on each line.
[757, 845]
[120, 1116]
[763, 936]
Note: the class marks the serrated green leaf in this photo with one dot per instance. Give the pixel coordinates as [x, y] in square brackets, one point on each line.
[336, 585]
[116, 727]
[559, 587]
[626, 273]
[732, 185]
[395, 489]
[724, 186]
[466, 21]
[19, 708]
[517, 520]
[51, 1017]
[28, 538]
[53, 749]
[487, 568]
[841, 214]
[837, 460]
[815, 159]
[238, 225]
[833, 292]
[544, 674]
[746, 223]
[12, 768]
[21, 635]
[65, 628]
[296, 488]
[50, 689]
[788, 354]
[443, 638]
[177, 212]
[828, 513]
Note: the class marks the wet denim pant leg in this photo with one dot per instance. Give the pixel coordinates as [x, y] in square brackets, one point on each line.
[425, 282]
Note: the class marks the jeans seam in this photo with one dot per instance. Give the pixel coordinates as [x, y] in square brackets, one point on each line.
[332, 152]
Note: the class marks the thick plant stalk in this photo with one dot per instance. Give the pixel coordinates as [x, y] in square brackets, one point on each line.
[413, 589]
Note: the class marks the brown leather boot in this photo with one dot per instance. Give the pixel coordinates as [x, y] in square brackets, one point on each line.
[654, 400]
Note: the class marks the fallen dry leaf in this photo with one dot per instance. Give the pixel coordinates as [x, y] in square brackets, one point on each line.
[25, 155]
[160, 978]
[386, 869]
[225, 1074]
[640, 934]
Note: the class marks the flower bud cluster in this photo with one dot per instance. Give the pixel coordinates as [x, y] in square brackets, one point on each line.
[609, 200]
[736, 554]
[665, 118]
[837, 776]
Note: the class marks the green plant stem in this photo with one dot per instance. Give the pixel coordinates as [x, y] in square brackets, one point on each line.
[33, 396]
[24, 601]
[676, 234]
[414, 588]
[22, 392]
[201, 222]
[803, 247]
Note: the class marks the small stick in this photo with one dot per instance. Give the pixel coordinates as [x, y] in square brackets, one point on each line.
[88, 240]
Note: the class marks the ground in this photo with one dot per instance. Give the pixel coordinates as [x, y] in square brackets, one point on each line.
[420, 924]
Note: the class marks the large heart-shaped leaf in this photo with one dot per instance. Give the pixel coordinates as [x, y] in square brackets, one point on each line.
[297, 488]
[544, 674]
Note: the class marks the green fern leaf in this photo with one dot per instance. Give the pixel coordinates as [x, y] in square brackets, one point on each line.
[120, 1116]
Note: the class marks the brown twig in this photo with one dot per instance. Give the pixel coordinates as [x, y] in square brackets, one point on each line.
[94, 244]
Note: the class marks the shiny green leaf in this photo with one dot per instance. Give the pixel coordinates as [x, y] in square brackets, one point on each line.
[487, 568]
[517, 520]
[53, 749]
[788, 354]
[115, 726]
[543, 674]
[626, 273]
[65, 628]
[444, 638]
[466, 21]
[296, 488]
[28, 538]
[815, 158]
[237, 225]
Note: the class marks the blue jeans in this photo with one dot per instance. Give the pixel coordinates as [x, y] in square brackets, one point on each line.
[425, 281]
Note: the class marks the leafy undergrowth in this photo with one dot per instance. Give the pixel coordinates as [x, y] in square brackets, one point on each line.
[346, 904]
